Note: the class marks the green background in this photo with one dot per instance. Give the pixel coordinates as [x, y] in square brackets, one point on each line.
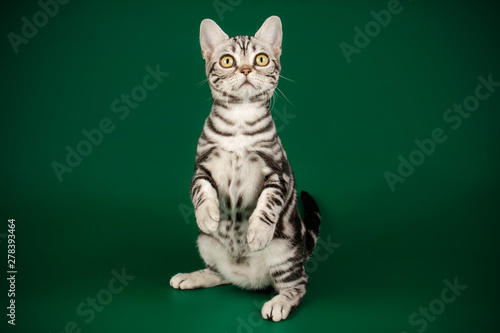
[126, 205]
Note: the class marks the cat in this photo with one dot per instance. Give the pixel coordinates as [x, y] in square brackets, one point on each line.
[243, 189]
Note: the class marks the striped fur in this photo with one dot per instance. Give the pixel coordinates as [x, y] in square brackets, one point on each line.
[243, 189]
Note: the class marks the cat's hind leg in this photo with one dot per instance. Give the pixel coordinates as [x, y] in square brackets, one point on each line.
[204, 278]
[291, 284]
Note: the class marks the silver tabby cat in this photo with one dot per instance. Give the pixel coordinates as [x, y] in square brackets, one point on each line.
[243, 189]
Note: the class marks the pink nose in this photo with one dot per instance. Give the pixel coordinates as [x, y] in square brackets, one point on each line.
[246, 71]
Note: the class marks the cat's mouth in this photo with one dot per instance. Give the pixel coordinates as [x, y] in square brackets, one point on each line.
[247, 83]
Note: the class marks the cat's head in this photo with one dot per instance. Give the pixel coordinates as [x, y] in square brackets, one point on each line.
[242, 67]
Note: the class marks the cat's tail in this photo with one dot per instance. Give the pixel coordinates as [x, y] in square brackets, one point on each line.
[312, 219]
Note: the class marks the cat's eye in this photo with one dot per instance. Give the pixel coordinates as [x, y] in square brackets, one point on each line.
[227, 61]
[261, 60]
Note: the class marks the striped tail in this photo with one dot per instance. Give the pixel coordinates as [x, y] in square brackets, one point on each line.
[312, 219]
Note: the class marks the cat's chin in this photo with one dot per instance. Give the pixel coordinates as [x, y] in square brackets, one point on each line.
[247, 90]
[247, 84]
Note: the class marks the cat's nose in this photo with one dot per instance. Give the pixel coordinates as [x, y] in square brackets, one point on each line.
[246, 71]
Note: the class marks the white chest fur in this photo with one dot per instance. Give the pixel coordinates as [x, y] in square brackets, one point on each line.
[239, 177]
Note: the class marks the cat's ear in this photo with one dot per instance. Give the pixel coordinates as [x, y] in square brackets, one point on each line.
[271, 33]
[211, 35]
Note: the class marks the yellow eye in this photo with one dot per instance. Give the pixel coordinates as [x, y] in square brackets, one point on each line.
[227, 61]
[261, 59]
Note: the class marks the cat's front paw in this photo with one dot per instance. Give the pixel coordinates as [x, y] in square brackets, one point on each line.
[182, 281]
[208, 216]
[259, 234]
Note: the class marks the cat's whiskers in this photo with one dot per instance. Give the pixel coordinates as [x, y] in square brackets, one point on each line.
[284, 96]
[287, 78]
[272, 102]
[275, 97]
[199, 84]
[268, 96]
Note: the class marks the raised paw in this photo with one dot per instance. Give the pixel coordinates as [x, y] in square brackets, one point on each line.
[208, 216]
[259, 235]
[276, 309]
